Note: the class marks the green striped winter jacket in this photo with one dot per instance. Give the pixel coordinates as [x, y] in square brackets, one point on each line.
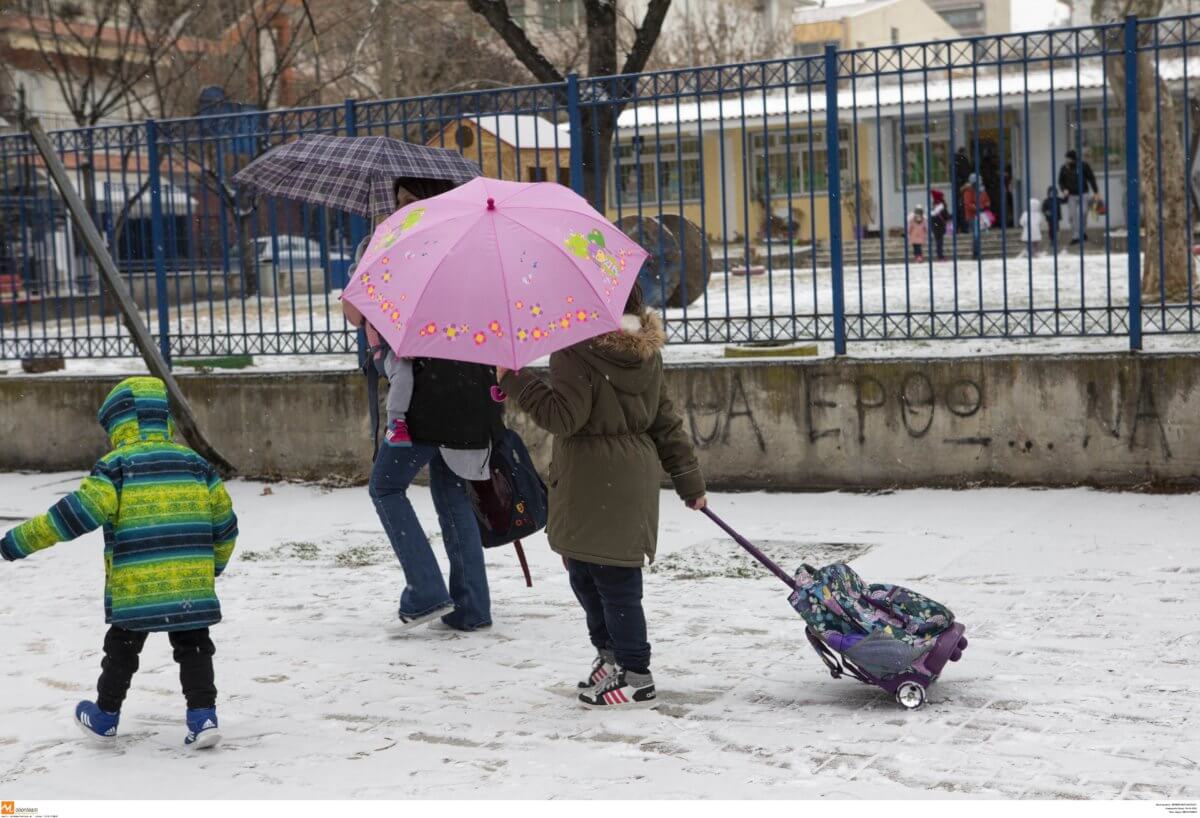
[169, 526]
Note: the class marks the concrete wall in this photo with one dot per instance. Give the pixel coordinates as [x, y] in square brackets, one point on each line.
[1110, 420]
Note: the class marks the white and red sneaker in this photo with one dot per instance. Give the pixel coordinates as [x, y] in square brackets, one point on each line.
[603, 666]
[623, 690]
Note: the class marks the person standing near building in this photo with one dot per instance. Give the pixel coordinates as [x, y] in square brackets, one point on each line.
[1075, 182]
[962, 172]
[975, 202]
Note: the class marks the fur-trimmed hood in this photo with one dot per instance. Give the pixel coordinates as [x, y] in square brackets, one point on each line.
[628, 358]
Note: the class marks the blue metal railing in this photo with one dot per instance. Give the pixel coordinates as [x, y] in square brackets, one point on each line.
[776, 199]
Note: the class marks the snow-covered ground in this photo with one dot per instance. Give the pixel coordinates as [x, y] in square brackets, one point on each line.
[1080, 681]
[1016, 284]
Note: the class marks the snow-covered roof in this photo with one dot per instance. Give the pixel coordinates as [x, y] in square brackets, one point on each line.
[1065, 82]
[525, 131]
[830, 14]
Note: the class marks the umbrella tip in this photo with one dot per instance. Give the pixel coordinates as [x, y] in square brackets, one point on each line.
[491, 203]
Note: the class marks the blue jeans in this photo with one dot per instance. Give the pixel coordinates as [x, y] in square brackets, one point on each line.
[425, 591]
[611, 597]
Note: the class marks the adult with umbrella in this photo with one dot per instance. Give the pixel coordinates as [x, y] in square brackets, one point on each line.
[451, 417]
[493, 273]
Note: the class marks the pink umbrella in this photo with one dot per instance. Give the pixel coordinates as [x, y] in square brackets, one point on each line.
[495, 272]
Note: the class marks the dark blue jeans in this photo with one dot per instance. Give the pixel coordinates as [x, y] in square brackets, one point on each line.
[611, 597]
[425, 591]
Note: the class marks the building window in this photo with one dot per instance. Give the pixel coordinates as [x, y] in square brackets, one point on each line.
[923, 153]
[895, 36]
[1086, 125]
[813, 49]
[653, 172]
[559, 14]
[537, 174]
[967, 18]
[780, 160]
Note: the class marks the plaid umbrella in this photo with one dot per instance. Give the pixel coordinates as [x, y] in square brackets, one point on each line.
[352, 173]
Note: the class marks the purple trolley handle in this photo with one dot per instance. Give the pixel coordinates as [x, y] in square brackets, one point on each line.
[753, 549]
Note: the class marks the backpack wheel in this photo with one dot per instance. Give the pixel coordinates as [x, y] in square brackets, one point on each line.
[910, 695]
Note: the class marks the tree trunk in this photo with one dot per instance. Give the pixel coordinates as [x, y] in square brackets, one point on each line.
[597, 153]
[246, 252]
[1162, 167]
[1167, 246]
[383, 22]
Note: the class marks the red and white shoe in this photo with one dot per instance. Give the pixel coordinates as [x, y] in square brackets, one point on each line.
[603, 666]
[622, 690]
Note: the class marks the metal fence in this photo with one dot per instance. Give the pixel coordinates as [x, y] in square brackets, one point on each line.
[777, 199]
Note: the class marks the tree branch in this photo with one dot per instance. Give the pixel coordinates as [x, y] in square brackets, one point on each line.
[647, 36]
[498, 17]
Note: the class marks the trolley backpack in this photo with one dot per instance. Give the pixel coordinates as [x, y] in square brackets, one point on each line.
[882, 635]
[513, 504]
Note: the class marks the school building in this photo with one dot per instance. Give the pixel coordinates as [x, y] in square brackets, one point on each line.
[721, 161]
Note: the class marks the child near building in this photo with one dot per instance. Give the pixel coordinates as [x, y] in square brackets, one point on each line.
[1031, 226]
[918, 233]
[169, 530]
[1052, 208]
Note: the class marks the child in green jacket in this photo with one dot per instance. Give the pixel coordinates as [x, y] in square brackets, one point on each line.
[169, 529]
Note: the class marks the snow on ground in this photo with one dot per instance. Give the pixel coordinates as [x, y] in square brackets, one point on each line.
[1081, 608]
[1015, 283]
[1067, 282]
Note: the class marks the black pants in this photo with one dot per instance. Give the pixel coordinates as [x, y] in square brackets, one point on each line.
[612, 599]
[193, 651]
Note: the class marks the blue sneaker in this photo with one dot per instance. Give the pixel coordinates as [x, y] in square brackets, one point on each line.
[202, 728]
[96, 724]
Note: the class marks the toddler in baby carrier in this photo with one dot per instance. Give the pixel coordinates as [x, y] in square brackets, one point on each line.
[883, 635]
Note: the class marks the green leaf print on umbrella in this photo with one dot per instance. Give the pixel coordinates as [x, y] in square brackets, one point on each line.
[577, 244]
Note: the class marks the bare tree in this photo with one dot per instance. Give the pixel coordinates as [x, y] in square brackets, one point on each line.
[599, 113]
[390, 49]
[99, 61]
[732, 31]
[1167, 245]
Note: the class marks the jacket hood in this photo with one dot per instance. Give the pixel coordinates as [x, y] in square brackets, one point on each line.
[622, 356]
[137, 410]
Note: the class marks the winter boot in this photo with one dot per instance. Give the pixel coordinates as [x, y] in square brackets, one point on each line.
[202, 728]
[603, 666]
[621, 690]
[98, 725]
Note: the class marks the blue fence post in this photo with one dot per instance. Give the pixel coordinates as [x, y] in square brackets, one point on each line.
[575, 129]
[834, 176]
[1133, 219]
[156, 236]
[358, 225]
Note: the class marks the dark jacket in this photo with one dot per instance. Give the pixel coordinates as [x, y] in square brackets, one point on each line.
[614, 430]
[1052, 210]
[452, 405]
[962, 169]
[1068, 179]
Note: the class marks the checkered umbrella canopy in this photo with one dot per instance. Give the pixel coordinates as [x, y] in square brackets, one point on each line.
[351, 173]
